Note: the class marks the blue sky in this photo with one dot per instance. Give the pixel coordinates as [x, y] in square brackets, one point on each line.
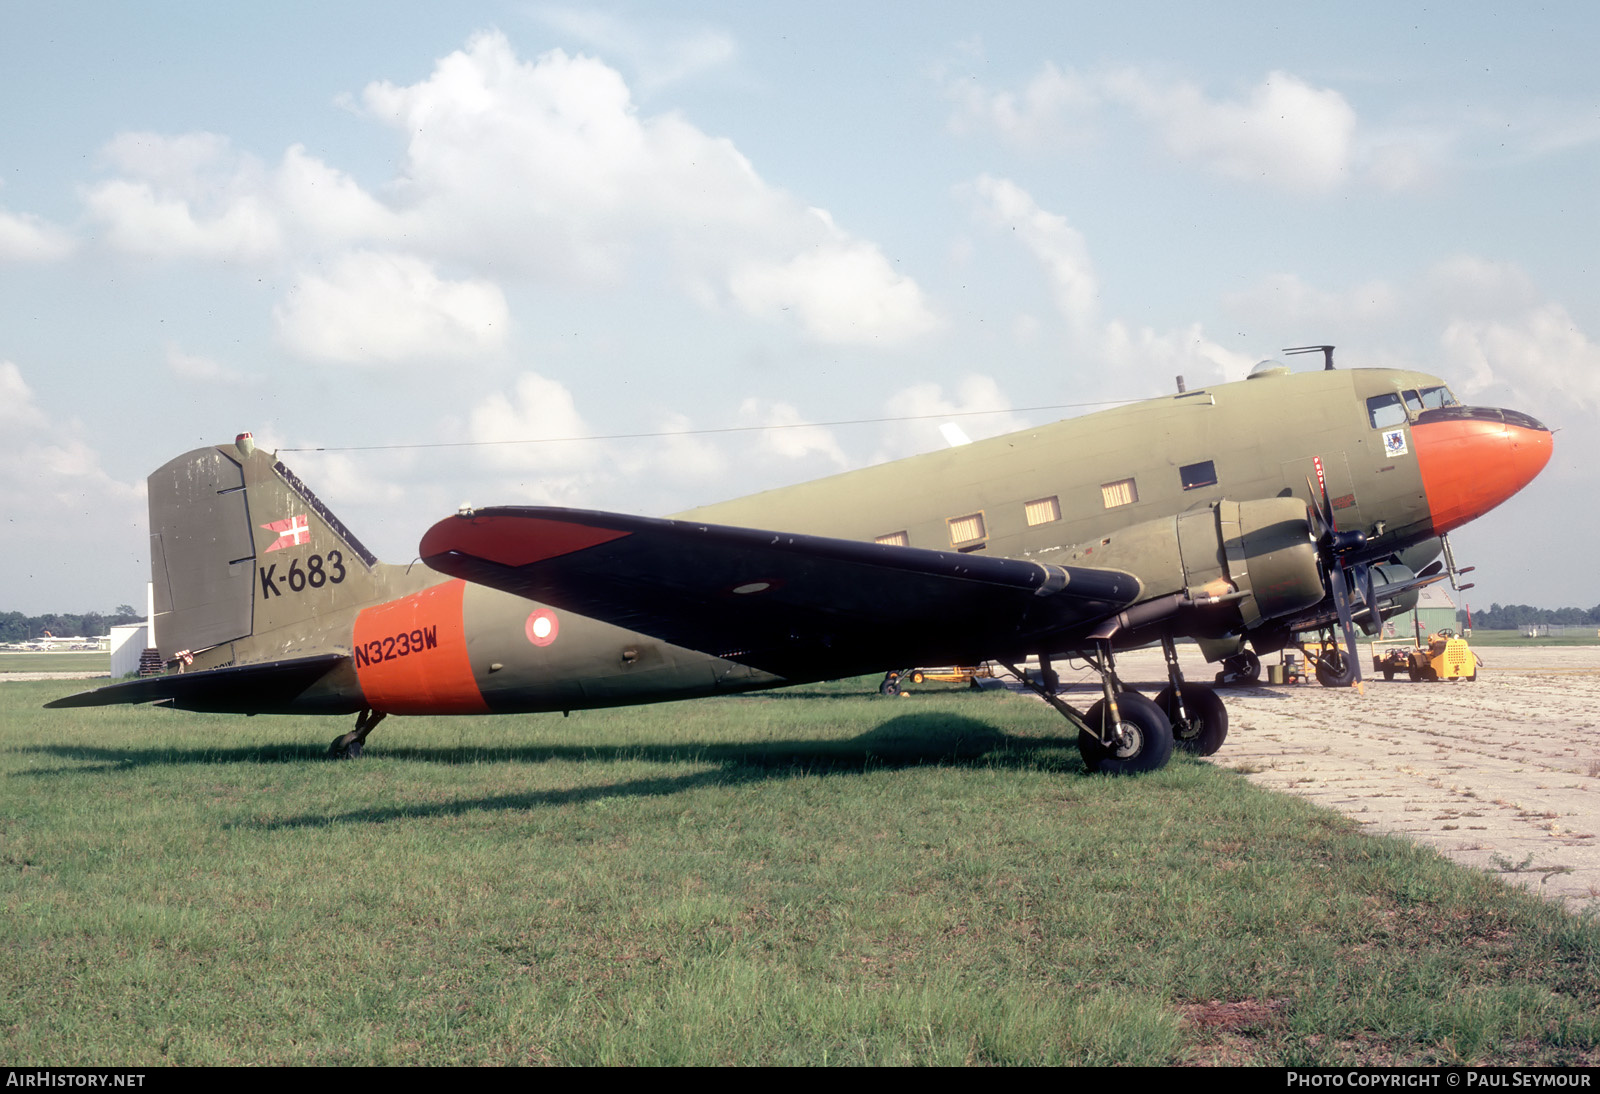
[350, 225]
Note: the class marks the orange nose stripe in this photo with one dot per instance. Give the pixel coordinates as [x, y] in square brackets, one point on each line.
[411, 655]
[1469, 466]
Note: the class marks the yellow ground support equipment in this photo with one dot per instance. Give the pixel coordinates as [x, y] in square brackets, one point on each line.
[1446, 657]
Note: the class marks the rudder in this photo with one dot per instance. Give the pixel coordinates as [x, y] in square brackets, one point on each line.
[240, 547]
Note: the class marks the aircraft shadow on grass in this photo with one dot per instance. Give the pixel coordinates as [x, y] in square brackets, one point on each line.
[908, 740]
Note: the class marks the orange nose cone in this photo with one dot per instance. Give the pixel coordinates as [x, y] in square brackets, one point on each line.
[1474, 458]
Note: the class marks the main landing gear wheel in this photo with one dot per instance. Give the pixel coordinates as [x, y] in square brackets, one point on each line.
[1333, 669]
[1206, 727]
[1146, 737]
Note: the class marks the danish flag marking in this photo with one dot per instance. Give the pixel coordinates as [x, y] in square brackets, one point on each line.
[292, 532]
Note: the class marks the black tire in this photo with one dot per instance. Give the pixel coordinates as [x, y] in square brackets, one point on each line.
[1207, 725]
[1388, 674]
[1242, 669]
[342, 749]
[917, 677]
[890, 685]
[1335, 669]
[1149, 738]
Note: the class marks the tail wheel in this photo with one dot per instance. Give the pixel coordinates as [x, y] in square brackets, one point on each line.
[1206, 727]
[1146, 737]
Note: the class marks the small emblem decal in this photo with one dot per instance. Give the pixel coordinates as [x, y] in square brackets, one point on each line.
[1394, 442]
[292, 532]
[542, 627]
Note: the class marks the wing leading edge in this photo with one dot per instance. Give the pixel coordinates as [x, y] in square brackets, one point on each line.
[799, 606]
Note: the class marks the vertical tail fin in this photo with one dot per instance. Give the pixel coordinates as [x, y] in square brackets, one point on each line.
[240, 547]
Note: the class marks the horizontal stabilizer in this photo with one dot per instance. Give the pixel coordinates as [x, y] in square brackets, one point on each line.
[238, 689]
[795, 605]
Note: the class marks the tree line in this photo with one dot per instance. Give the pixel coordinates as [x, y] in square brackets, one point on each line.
[1511, 617]
[16, 627]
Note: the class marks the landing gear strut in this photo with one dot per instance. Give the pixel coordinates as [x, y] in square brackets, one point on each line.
[1122, 734]
[348, 747]
[1199, 720]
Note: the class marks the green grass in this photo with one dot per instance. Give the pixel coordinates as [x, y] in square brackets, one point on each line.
[1482, 637]
[812, 876]
[56, 661]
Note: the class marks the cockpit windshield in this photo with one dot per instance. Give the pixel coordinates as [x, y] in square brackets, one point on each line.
[1385, 411]
[1435, 397]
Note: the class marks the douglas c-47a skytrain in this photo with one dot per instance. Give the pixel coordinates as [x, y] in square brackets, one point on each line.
[1237, 515]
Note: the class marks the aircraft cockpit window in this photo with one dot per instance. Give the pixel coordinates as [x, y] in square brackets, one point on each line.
[1435, 397]
[967, 529]
[1413, 402]
[894, 539]
[1121, 492]
[1042, 511]
[1196, 475]
[1386, 411]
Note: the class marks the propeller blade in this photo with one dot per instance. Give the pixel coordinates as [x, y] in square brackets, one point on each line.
[1324, 521]
[1341, 604]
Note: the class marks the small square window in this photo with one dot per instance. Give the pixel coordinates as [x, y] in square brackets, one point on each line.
[894, 539]
[1043, 511]
[1196, 475]
[1121, 492]
[968, 529]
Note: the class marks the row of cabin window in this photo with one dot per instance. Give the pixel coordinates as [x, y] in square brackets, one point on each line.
[971, 528]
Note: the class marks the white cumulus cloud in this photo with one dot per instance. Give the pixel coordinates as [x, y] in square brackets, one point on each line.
[1541, 354]
[535, 427]
[1057, 245]
[842, 291]
[27, 238]
[548, 167]
[1112, 347]
[543, 169]
[1055, 109]
[381, 307]
[57, 505]
[1283, 131]
[788, 436]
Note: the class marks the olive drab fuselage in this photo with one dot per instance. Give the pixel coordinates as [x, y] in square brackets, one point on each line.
[420, 642]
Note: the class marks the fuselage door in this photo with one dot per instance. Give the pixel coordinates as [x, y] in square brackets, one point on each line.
[1341, 486]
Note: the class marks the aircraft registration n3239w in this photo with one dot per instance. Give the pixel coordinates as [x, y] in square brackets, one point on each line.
[1237, 515]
